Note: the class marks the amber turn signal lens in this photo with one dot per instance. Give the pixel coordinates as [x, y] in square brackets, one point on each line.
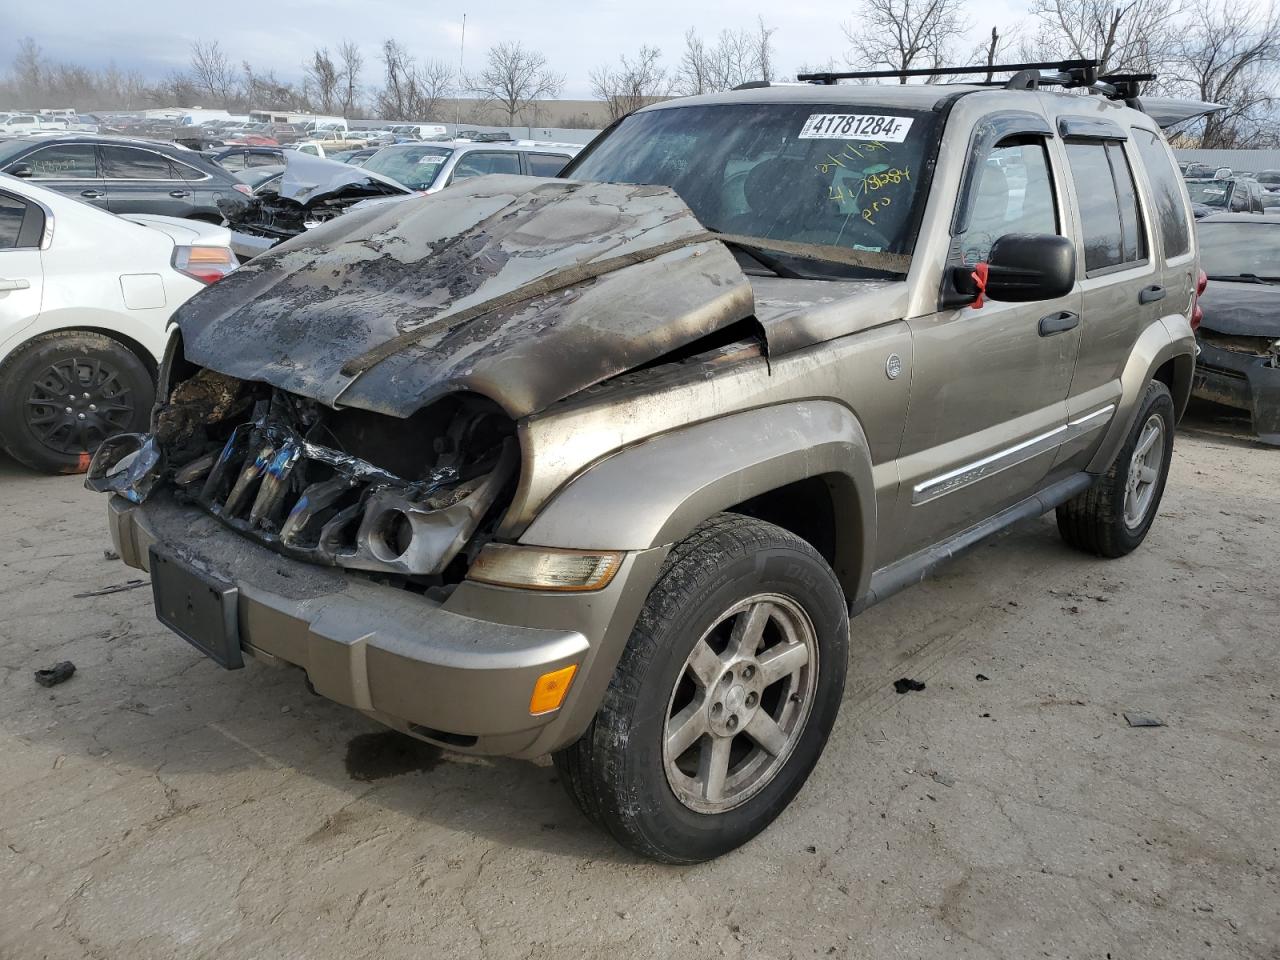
[549, 692]
[544, 568]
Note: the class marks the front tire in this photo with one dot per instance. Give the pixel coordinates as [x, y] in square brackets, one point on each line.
[63, 393]
[723, 699]
[1112, 517]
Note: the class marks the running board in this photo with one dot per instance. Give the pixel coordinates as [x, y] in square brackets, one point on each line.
[887, 581]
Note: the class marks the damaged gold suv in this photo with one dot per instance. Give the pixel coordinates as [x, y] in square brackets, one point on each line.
[599, 466]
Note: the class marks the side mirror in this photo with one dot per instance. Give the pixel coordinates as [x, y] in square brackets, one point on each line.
[22, 170]
[1021, 267]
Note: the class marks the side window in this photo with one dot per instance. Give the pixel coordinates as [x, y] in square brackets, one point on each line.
[1012, 193]
[1109, 214]
[127, 163]
[479, 163]
[74, 161]
[1133, 241]
[545, 164]
[12, 212]
[233, 161]
[1166, 192]
[263, 160]
[21, 223]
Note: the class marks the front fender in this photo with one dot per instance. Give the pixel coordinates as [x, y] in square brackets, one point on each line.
[655, 492]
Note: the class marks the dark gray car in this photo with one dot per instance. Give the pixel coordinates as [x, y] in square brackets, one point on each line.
[127, 176]
[1239, 335]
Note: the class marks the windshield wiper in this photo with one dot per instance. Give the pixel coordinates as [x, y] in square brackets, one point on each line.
[772, 264]
[1240, 277]
[898, 263]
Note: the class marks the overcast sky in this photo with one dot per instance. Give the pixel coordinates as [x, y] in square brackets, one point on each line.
[155, 36]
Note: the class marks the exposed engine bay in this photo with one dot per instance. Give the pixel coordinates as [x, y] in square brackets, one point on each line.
[345, 488]
[309, 191]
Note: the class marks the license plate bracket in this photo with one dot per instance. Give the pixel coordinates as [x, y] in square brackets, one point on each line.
[200, 608]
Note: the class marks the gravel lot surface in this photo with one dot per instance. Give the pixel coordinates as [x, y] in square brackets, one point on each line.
[156, 806]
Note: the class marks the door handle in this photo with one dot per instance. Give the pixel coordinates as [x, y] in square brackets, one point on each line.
[1151, 294]
[15, 285]
[179, 193]
[92, 194]
[1059, 322]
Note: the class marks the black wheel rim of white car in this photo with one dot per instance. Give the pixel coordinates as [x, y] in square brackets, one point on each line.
[77, 402]
[740, 703]
[1144, 472]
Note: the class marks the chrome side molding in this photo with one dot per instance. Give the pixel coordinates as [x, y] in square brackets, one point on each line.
[1020, 452]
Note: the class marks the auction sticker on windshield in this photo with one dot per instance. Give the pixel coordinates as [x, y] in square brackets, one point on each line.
[432, 159]
[855, 126]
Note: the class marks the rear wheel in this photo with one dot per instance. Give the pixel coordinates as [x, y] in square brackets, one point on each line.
[63, 393]
[723, 699]
[1112, 517]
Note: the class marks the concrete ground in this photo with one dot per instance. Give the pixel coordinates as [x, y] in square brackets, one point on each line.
[157, 806]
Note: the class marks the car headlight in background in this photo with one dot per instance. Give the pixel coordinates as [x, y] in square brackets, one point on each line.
[545, 568]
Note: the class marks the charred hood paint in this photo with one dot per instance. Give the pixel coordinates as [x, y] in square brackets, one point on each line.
[297, 315]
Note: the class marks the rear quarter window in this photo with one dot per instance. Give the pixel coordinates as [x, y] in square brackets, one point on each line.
[1166, 192]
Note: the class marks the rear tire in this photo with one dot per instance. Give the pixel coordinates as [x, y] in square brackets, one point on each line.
[63, 393]
[1112, 517]
[723, 699]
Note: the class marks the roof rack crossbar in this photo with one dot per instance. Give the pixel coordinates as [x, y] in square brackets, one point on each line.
[1088, 68]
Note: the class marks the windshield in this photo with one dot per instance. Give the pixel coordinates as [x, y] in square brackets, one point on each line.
[415, 167]
[1212, 193]
[1234, 249]
[844, 176]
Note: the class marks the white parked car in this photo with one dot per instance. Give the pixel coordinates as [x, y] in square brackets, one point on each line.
[85, 300]
[21, 123]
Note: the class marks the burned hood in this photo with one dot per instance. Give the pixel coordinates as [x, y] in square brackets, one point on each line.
[522, 289]
[1241, 309]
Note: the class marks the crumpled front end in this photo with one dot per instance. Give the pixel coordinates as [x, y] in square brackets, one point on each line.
[346, 488]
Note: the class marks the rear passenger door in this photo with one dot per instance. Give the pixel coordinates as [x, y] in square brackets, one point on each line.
[1121, 279]
[22, 227]
[143, 181]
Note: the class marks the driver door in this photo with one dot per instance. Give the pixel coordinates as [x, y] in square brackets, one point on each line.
[989, 385]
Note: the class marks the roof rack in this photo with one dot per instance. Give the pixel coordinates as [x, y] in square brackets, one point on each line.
[1026, 76]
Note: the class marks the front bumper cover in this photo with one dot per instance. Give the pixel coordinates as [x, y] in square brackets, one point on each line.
[397, 656]
[1242, 381]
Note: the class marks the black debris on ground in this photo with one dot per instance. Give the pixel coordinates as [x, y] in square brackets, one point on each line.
[58, 673]
[982, 676]
[109, 554]
[1143, 720]
[907, 685]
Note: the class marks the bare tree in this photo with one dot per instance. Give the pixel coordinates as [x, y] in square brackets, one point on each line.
[1228, 55]
[633, 84]
[267, 90]
[1132, 36]
[736, 57]
[28, 69]
[349, 75]
[513, 78]
[411, 92]
[322, 80]
[904, 34]
[764, 49]
[212, 72]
